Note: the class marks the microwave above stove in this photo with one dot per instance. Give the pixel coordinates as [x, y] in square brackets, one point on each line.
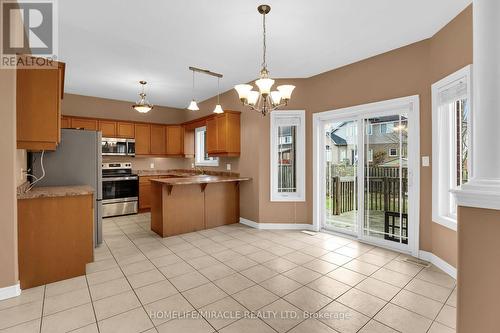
[118, 147]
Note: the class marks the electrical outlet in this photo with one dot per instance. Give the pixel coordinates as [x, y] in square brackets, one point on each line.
[192, 165]
[151, 165]
[228, 167]
[426, 161]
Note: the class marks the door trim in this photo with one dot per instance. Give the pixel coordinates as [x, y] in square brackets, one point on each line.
[412, 104]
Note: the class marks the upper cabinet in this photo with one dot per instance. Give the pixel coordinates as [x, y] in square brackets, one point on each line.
[142, 139]
[158, 140]
[175, 140]
[223, 134]
[108, 128]
[39, 94]
[125, 130]
[84, 123]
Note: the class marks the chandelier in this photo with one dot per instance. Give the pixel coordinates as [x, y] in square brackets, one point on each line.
[143, 106]
[264, 100]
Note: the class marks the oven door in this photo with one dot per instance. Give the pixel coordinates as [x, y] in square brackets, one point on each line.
[120, 189]
[112, 146]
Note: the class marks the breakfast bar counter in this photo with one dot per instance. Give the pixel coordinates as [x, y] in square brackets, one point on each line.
[185, 204]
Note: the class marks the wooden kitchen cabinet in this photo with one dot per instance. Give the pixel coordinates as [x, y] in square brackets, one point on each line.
[211, 135]
[158, 140]
[144, 193]
[125, 130]
[223, 134]
[142, 139]
[175, 140]
[65, 122]
[84, 123]
[108, 128]
[55, 238]
[39, 93]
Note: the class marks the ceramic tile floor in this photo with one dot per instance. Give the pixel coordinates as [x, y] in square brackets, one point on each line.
[240, 280]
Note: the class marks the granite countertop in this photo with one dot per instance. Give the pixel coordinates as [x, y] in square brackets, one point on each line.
[182, 173]
[200, 179]
[55, 191]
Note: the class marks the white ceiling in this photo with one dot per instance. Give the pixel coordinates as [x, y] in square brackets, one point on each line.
[110, 45]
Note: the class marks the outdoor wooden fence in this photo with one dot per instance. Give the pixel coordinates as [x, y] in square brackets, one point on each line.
[381, 193]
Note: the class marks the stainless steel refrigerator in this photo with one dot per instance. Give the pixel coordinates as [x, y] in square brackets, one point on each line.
[76, 161]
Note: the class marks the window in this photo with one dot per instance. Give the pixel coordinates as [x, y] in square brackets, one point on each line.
[288, 156]
[369, 129]
[370, 155]
[451, 141]
[387, 128]
[201, 155]
[393, 152]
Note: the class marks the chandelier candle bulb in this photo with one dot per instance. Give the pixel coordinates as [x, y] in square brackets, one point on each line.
[286, 91]
[243, 90]
[253, 97]
[276, 97]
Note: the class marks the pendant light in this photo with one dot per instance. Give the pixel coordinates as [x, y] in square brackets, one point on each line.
[143, 106]
[193, 106]
[264, 100]
[218, 107]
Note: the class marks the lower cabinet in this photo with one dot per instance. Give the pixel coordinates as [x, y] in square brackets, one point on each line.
[55, 238]
[144, 193]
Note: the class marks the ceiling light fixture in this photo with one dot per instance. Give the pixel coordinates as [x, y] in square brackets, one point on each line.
[143, 106]
[193, 106]
[218, 107]
[264, 100]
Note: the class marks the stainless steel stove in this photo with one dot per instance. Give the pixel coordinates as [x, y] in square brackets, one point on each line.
[120, 190]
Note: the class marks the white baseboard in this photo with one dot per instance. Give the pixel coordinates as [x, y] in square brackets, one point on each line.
[438, 262]
[11, 291]
[276, 226]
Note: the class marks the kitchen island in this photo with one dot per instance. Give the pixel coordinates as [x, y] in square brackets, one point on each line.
[185, 204]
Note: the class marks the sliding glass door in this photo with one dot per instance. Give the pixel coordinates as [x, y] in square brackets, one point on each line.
[366, 174]
[341, 170]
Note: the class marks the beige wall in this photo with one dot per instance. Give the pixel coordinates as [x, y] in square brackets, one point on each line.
[406, 71]
[8, 201]
[86, 106]
[479, 270]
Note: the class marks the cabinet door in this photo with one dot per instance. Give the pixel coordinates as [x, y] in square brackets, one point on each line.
[142, 139]
[108, 128]
[222, 131]
[83, 123]
[125, 130]
[65, 122]
[175, 140]
[38, 107]
[145, 195]
[158, 140]
[211, 135]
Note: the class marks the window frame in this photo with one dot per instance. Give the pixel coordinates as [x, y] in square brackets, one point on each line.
[442, 212]
[198, 153]
[391, 155]
[280, 118]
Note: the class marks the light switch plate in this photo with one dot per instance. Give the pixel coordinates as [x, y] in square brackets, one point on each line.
[152, 165]
[426, 161]
[228, 167]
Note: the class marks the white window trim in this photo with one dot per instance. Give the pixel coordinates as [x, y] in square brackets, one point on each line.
[299, 195]
[370, 155]
[199, 159]
[437, 204]
[395, 155]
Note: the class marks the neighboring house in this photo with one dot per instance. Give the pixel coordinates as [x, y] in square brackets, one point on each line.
[382, 138]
